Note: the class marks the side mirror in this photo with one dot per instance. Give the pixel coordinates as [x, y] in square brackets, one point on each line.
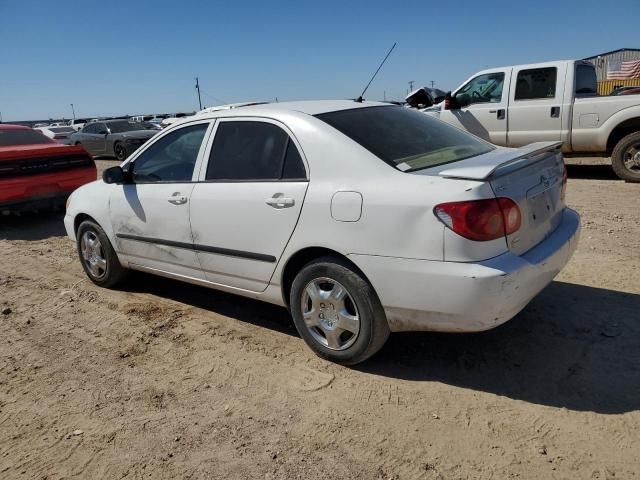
[103, 132]
[114, 175]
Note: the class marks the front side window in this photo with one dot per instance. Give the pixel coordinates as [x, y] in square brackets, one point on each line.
[536, 83]
[172, 158]
[405, 138]
[253, 151]
[100, 129]
[485, 88]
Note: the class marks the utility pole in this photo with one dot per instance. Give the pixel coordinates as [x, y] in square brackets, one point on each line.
[384, 95]
[432, 83]
[411, 82]
[198, 88]
[73, 111]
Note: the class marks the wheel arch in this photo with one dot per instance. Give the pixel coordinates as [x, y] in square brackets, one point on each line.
[621, 130]
[81, 217]
[304, 256]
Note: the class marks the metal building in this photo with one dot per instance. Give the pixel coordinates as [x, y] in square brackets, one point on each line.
[611, 61]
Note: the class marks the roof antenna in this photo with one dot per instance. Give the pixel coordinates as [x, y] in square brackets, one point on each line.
[359, 99]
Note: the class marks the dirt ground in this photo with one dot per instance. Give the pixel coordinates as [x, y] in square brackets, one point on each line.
[165, 380]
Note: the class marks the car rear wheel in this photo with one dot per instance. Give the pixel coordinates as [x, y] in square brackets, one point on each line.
[337, 312]
[97, 256]
[120, 151]
[625, 158]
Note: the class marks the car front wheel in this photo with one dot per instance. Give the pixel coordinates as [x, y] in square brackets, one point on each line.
[97, 256]
[120, 151]
[337, 312]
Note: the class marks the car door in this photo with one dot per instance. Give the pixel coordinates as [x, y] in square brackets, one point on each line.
[100, 139]
[480, 106]
[247, 204]
[87, 137]
[536, 106]
[150, 214]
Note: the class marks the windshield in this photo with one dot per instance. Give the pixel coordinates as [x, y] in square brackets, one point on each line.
[125, 126]
[405, 138]
[22, 137]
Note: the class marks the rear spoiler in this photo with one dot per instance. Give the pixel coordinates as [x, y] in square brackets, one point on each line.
[499, 161]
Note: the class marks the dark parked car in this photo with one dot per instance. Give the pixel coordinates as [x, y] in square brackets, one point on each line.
[118, 138]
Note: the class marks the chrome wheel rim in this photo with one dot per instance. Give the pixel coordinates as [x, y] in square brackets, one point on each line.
[330, 314]
[92, 255]
[631, 158]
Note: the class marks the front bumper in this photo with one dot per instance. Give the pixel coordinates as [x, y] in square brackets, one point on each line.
[467, 297]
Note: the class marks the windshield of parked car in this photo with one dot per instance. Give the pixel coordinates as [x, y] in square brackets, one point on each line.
[22, 137]
[405, 138]
[125, 126]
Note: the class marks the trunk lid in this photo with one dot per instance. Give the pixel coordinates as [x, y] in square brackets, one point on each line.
[532, 176]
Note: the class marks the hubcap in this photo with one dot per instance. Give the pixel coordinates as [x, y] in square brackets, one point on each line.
[632, 158]
[330, 314]
[92, 254]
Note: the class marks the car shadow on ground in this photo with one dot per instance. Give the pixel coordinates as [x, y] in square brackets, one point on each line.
[591, 172]
[573, 346]
[32, 226]
[244, 309]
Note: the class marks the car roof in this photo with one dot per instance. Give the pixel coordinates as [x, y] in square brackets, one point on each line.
[309, 107]
[9, 126]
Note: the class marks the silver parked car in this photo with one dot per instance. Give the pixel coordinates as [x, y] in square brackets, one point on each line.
[118, 138]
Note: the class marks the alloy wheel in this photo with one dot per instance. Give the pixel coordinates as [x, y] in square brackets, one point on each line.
[92, 255]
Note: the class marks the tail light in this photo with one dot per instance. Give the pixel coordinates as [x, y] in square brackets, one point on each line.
[481, 220]
[563, 189]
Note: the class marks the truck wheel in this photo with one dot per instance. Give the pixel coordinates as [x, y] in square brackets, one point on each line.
[625, 158]
[337, 312]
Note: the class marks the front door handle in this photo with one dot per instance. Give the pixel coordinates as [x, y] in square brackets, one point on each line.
[177, 199]
[280, 201]
[499, 113]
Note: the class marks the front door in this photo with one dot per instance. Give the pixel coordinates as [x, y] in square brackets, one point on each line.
[247, 204]
[482, 107]
[150, 215]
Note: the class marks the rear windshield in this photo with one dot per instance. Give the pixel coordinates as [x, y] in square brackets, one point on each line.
[404, 138]
[126, 126]
[22, 137]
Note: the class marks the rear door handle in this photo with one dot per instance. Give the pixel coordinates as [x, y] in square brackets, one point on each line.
[555, 112]
[499, 113]
[177, 199]
[280, 201]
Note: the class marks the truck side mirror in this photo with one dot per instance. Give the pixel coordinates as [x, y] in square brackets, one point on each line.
[448, 101]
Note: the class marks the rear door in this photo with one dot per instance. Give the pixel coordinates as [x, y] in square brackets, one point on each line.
[247, 204]
[483, 102]
[536, 105]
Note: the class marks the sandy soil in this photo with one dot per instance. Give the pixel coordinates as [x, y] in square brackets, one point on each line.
[165, 380]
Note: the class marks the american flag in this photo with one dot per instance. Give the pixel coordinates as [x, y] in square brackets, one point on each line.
[622, 70]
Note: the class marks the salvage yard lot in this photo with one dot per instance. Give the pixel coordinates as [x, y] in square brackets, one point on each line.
[166, 380]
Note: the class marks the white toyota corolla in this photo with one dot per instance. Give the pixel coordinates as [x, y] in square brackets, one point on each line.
[361, 218]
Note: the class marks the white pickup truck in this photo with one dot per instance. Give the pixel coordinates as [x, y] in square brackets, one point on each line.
[552, 101]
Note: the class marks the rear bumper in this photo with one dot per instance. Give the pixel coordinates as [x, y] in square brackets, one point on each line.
[38, 191]
[467, 297]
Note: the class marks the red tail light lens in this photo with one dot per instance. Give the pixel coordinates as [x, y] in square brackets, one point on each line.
[481, 220]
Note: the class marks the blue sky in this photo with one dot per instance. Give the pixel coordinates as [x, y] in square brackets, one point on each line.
[125, 57]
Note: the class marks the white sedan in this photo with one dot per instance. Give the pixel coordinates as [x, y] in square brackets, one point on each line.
[360, 218]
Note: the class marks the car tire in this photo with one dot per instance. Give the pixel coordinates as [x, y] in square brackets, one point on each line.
[120, 151]
[625, 158]
[97, 256]
[337, 312]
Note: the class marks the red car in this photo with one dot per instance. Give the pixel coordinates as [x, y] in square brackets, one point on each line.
[38, 172]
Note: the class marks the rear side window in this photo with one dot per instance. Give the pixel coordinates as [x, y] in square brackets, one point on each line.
[405, 138]
[253, 151]
[22, 137]
[536, 83]
[172, 158]
[586, 80]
